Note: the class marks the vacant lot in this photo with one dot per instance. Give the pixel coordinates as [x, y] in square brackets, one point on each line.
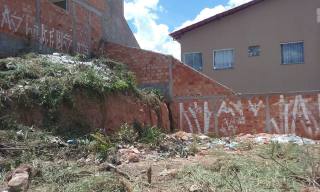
[176, 163]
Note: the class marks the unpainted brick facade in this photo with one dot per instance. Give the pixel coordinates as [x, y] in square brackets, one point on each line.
[40, 25]
[201, 105]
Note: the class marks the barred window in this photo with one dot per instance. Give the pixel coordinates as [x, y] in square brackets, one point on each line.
[292, 53]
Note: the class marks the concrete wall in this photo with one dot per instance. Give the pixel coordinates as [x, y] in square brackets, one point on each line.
[267, 24]
[42, 26]
[199, 104]
[120, 32]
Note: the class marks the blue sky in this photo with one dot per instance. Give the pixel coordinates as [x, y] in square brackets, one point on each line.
[178, 11]
[152, 20]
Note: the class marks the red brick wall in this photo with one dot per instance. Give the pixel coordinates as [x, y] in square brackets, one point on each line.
[17, 17]
[98, 4]
[155, 68]
[276, 113]
[77, 29]
[149, 67]
[201, 105]
[189, 82]
[109, 114]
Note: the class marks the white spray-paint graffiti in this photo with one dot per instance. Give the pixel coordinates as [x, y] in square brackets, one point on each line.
[46, 36]
[234, 110]
[11, 20]
[195, 112]
[297, 111]
[255, 107]
[291, 113]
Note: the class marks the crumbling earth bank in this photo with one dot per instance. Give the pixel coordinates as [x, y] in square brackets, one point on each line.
[75, 94]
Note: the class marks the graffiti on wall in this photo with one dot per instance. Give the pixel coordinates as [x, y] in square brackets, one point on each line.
[42, 33]
[297, 112]
[285, 116]
[11, 20]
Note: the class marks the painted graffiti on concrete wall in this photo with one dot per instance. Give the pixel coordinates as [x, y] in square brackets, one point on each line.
[285, 116]
[42, 33]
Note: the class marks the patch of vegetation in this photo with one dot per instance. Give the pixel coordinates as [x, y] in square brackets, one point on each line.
[137, 133]
[73, 178]
[46, 82]
[254, 172]
[54, 162]
[101, 145]
[101, 183]
[148, 134]
[126, 134]
[50, 82]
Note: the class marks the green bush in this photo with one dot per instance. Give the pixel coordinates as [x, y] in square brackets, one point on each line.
[126, 134]
[101, 145]
[151, 135]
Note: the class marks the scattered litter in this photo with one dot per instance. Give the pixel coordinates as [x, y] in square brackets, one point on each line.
[195, 188]
[166, 172]
[265, 139]
[292, 139]
[20, 135]
[72, 142]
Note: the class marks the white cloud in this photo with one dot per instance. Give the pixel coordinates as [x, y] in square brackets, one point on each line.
[149, 33]
[209, 12]
[154, 36]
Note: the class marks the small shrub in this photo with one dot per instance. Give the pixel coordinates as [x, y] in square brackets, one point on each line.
[120, 85]
[101, 145]
[151, 135]
[126, 134]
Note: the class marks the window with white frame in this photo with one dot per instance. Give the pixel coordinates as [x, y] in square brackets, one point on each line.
[60, 3]
[292, 53]
[223, 59]
[194, 60]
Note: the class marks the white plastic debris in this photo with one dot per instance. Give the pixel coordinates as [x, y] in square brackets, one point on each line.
[285, 139]
[292, 139]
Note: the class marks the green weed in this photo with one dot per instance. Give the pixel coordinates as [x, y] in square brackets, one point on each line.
[151, 135]
[126, 134]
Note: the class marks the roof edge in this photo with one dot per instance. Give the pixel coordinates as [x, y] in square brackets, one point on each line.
[177, 34]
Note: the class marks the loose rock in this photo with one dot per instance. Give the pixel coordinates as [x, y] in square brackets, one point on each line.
[195, 188]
